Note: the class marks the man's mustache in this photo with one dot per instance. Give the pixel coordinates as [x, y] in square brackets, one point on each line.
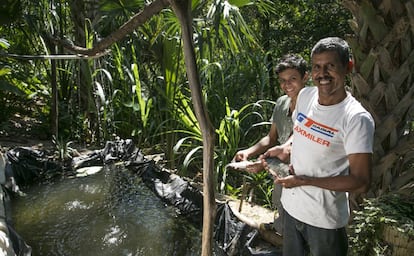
[323, 78]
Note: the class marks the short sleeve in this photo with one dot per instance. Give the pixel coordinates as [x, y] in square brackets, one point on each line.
[360, 134]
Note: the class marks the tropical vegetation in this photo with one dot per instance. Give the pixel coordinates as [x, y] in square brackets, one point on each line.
[138, 88]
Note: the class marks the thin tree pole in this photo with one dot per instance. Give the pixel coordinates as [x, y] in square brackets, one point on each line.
[182, 9]
[54, 109]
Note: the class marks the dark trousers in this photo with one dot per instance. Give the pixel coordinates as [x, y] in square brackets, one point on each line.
[300, 239]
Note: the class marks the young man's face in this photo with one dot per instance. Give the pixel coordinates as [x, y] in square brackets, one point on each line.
[328, 74]
[291, 82]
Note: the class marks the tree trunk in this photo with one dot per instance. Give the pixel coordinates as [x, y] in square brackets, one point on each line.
[54, 108]
[182, 9]
[383, 81]
[83, 77]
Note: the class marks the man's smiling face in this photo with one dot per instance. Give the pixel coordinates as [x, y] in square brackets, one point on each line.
[328, 74]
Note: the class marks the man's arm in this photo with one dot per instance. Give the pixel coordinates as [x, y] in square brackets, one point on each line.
[261, 146]
[358, 180]
[280, 151]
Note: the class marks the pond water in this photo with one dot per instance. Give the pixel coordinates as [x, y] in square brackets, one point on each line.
[109, 213]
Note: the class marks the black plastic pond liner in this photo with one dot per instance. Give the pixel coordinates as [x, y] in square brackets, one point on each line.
[231, 233]
[232, 236]
[172, 189]
[30, 165]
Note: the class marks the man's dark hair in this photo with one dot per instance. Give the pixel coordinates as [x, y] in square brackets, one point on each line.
[335, 44]
[292, 61]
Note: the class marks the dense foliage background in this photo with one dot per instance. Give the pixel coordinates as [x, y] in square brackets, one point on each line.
[139, 90]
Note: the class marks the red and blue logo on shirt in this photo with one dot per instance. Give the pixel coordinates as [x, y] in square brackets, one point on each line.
[316, 127]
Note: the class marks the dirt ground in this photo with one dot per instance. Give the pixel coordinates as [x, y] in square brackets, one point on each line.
[255, 212]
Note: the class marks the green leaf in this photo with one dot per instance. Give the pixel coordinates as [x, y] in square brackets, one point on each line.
[5, 86]
[100, 92]
[121, 5]
[4, 71]
[240, 3]
[4, 43]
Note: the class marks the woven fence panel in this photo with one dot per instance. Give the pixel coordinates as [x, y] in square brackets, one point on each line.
[383, 80]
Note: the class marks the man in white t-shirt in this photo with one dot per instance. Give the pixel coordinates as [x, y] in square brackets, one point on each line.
[331, 155]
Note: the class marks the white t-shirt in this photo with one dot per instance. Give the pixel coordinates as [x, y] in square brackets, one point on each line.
[323, 137]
